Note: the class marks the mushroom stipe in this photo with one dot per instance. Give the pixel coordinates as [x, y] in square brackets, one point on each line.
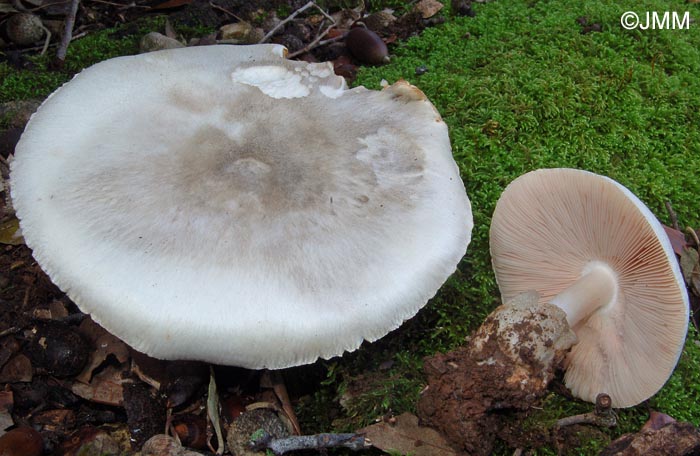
[592, 248]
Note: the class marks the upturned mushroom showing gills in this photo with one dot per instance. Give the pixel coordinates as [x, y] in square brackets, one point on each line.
[588, 245]
[228, 205]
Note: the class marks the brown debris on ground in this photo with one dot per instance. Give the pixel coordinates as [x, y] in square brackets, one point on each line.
[673, 439]
[506, 366]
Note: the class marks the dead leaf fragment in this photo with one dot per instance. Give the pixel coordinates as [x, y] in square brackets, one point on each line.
[105, 345]
[428, 8]
[677, 239]
[407, 437]
[7, 402]
[690, 266]
[17, 369]
[10, 232]
[105, 387]
[54, 420]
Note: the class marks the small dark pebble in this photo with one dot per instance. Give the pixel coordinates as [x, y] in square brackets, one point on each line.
[463, 8]
[291, 42]
[300, 30]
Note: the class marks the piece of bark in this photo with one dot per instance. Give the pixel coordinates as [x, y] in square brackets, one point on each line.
[403, 434]
[674, 439]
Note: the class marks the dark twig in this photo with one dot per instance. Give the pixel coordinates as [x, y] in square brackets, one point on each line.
[224, 10]
[37, 48]
[312, 44]
[67, 32]
[603, 415]
[284, 445]
[689, 230]
[672, 214]
[272, 32]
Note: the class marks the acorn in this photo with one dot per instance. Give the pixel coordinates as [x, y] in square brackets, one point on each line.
[192, 430]
[366, 46]
[21, 441]
[57, 349]
[24, 29]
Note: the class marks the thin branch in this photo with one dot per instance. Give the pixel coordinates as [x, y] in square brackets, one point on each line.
[672, 214]
[19, 7]
[67, 31]
[37, 48]
[354, 442]
[122, 5]
[47, 40]
[312, 44]
[224, 10]
[603, 415]
[289, 18]
[689, 230]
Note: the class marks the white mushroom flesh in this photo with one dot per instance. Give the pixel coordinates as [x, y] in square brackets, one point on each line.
[587, 244]
[225, 204]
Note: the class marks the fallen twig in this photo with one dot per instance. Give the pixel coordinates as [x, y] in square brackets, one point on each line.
[603, 415]
[272, 32]
[689, 230]
[36, 48]
[213, 414]
[67, 32]
[224, 10]
[264, 441]
[672, 215]
[316, 42]
[274, 380]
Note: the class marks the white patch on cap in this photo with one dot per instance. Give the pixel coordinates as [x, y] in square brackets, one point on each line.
[332, 92]
[273, 81]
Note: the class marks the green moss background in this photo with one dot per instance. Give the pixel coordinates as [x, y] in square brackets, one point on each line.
[520, 87]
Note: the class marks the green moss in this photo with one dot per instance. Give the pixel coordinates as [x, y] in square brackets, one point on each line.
[521, 88]
[39, 81]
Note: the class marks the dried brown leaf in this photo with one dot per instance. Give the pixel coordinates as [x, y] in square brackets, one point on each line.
[105, 387]
[677, 239]
[7, 402]
[689, 263]
[10, 232]
[105, 346]
[17, 369]
[54, 420]
[428, 8]
[407, 437]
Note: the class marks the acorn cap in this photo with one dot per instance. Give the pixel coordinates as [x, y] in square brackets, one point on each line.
[225, 204]
[554, 228]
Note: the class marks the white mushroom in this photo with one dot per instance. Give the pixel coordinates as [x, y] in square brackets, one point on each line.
[591, 247]
[228, 205]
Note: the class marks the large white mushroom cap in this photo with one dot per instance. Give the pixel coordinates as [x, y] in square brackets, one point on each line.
[567, 232]
[228, 205]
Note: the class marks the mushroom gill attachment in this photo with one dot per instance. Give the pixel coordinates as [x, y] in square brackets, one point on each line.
[224, 204]
[591, 247]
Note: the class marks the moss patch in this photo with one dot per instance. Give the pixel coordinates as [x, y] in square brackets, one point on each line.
[521, 87]
[38, 81]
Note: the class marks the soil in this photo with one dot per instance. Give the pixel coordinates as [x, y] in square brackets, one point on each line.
[61, 380]
[505, 367]
[83, 390]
